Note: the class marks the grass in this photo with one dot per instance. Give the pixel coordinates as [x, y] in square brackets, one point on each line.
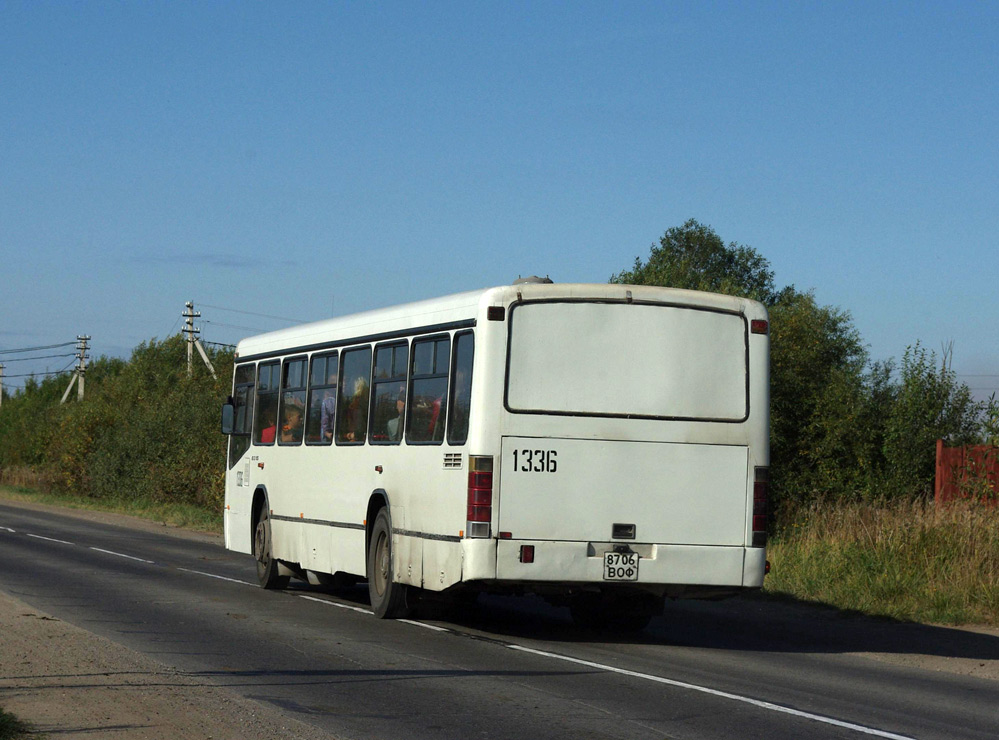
[11, 728]
[183, 515]
[905, 560]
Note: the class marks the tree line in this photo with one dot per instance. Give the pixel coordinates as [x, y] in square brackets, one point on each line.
[145, 430]
[842, 426]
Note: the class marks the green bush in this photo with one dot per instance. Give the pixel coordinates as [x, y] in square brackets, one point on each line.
[929, 405]
[11, 728]
[145, 430]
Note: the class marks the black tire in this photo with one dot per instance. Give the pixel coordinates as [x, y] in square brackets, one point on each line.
[267, 566]
[388, 598]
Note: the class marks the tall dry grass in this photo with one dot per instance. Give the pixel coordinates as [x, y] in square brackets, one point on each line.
[907, 560]
[23, 476]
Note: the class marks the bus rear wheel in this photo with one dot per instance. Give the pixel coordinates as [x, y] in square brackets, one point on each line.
[388, 598]
[267, 566]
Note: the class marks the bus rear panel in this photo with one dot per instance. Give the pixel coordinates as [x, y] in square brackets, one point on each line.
[633, 442]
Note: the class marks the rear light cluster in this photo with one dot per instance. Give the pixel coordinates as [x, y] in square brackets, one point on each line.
[480, 496]
[761, 486]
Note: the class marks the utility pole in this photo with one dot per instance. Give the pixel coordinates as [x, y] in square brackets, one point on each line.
[192, 338]
[81, 369]
[1, 384]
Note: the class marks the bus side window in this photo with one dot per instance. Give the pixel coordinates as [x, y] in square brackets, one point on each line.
[242, 396]
[352, 402]
[322, 400]
[461, 389]
[292, 402]
[265, 413]
[427, 405]
[388, 393]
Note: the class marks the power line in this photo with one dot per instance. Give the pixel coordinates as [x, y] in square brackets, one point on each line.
[234, 326]
[39, 357]
[251, 313]
[28, 375]
[47, 372]
[170, 333]
[35, 349]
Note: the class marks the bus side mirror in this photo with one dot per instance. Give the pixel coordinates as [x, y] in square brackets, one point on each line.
[228, 417]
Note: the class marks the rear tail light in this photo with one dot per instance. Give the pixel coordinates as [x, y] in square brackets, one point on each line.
[761, 487]
[480, 496]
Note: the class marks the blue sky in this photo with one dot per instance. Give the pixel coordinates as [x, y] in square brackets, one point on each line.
[304, 159]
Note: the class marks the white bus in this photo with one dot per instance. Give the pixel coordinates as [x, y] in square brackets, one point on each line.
[603, 446]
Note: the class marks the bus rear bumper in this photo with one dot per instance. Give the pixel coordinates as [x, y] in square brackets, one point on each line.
[659, 564]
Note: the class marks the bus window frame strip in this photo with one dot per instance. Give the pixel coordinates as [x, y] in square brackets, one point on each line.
[417, 331]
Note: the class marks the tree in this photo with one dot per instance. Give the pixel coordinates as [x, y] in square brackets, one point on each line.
[694, 257]
[817, 398]
[930, 404]
[990, 425]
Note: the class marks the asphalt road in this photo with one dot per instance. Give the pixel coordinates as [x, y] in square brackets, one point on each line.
[509, 668]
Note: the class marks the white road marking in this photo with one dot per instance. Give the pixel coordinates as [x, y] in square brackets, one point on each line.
[8, 529]
[122, 555]
[336, 604]
[715, 692]
[50, 539]
[424, 625]
[221, 578]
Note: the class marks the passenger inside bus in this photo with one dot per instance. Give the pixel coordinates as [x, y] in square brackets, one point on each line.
[268, 427]
[328, 411]
[357, 416]
[393, 427]
[291, 428]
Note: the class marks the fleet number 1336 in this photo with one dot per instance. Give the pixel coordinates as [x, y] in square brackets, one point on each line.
[535, 461]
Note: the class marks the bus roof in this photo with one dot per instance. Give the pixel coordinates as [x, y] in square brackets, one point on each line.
[448, 310]
[406, 316]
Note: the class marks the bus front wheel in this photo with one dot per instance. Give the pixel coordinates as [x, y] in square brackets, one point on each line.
[388, 598]
[267, 566]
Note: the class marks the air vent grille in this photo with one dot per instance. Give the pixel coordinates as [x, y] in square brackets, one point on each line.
[452, 461]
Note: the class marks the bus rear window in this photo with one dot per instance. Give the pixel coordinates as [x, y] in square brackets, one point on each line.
[627, 360]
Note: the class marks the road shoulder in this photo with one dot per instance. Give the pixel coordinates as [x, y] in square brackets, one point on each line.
[69, 683]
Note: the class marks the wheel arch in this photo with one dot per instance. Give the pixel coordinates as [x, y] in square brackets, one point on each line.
[378, 500]
[260, 501]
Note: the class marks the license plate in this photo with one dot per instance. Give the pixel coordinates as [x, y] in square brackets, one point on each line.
[620, 566]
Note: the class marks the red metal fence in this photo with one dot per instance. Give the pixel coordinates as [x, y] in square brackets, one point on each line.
[967, 472]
